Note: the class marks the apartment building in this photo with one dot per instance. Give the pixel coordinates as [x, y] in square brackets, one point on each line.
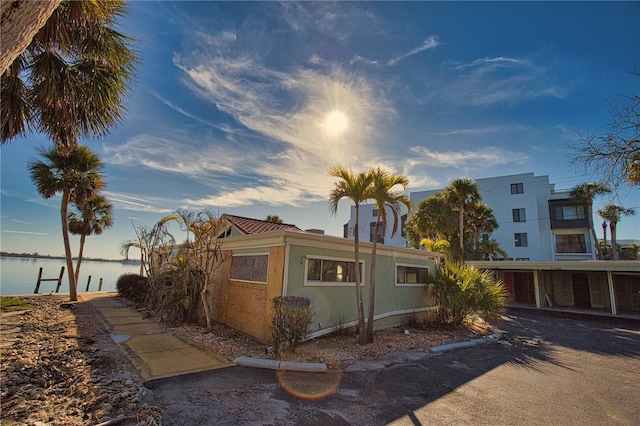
[536, 222]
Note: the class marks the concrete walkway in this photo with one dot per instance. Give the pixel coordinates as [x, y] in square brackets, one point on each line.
[154, 351]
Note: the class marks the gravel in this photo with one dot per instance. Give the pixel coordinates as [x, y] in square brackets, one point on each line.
[60, 367]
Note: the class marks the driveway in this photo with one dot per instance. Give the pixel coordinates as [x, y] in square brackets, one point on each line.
[548, 370]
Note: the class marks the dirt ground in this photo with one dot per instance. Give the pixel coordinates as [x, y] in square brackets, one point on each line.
[59, 365]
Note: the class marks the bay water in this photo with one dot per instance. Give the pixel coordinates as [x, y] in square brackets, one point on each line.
[18, 275]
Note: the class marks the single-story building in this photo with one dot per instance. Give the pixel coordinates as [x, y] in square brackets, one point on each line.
[610, 287]
[285, 261]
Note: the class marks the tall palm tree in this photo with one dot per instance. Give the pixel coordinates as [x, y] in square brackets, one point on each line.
[77, 176]
[384, 196]
[603, 215]
[71, 80]
[613, 213]
[585, 192]
[93, 217]
[460, 193]
[357, 188]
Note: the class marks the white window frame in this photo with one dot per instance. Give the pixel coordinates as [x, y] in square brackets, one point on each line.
[313, 283]
[246, 255]
[409, 265]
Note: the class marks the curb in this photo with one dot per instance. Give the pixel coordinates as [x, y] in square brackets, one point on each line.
[308, 367]
[494, 338]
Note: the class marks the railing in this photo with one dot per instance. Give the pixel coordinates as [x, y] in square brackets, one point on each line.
[583, 247]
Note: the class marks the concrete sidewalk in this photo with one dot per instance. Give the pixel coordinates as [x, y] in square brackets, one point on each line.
[154, 351]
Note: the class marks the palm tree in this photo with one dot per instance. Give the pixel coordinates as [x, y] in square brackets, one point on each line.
[273, 218]
[585, 192]
[20, 22]
[77, 176]
[382, 186]
[71, 80]
[460, 193]
[435, 246]
[612, 213]
[358, 189]
[93, 217]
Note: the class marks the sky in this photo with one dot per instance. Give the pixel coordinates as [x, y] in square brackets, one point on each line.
[242, 108]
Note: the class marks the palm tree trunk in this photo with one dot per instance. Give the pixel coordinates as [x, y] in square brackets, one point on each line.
[82, 238]
[594, 237]
[461, 231]
[372, 282]
[362, 335]
[21, 20]
[614, 248]
[67, 246]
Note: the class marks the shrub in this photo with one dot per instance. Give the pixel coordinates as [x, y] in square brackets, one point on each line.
[133, 287]
[291, 322]
[461, 289]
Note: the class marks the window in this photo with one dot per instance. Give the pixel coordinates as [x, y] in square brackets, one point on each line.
[345, 230]
[372, 229]
[331, 272]
[411, 275]
[517, 188]
[249, 268]
[519, 215]
[375, 212]
[569, 212]
[521, 239]
[572, 243]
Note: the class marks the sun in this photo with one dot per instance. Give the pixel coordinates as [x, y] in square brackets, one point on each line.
[336, 122]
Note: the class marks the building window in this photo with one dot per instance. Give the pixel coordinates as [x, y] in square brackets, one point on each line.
[375, 213]
[569, 212]
[250, 268]
[372, 229]
[521, 239]
[411, 275]
[572, 243]
[345, 230]
[331, 272]
[517, 188]
[519, 215]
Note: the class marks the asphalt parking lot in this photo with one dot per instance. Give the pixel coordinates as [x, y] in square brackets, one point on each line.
[547, 370]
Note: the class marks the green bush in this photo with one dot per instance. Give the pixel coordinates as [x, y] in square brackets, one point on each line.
[461, 289]
[291, 322]
[133, 287]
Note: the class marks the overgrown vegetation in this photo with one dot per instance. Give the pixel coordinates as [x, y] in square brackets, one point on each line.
[179, 275]
[291, 322]
[133, 287]
[460, 290]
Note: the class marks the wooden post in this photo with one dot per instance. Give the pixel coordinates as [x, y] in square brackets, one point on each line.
[40, 279]
[38, 282]
[88, 282]
[100, 285]
[60, 279]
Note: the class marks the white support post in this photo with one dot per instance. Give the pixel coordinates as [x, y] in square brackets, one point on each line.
[536, 288]
[612, 295]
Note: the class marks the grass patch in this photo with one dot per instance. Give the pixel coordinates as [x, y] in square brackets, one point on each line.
[9, 304]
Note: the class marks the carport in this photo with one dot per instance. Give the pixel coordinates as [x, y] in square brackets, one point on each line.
[605, 287]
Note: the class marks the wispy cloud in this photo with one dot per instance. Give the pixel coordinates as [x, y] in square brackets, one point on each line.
[497, 80]
[134, 203]
[24, 232]
[481, 158]
[430, 43]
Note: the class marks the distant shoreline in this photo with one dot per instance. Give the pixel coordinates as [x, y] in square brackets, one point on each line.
[47, 256]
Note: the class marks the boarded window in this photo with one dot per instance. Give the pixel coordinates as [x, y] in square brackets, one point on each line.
[250, 268]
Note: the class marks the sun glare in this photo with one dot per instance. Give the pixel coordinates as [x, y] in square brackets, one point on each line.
[336, 122]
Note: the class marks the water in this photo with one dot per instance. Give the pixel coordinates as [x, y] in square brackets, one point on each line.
[18, 275]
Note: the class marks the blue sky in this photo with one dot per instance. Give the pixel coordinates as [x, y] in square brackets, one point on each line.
[242, 108]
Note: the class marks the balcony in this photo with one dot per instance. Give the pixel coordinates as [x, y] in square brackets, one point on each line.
[579, 247]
